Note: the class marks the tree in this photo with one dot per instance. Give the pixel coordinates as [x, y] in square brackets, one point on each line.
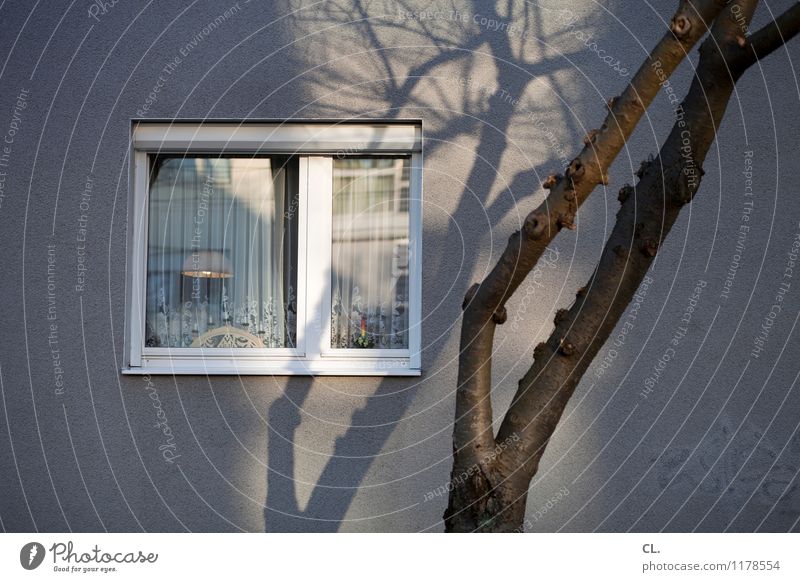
[491, 474]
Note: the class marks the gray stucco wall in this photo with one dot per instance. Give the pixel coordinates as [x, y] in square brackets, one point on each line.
[714, 446]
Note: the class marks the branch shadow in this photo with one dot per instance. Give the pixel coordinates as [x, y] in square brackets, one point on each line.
[355, 451]
[353, 455]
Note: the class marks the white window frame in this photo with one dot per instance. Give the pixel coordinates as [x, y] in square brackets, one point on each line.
[316, 144]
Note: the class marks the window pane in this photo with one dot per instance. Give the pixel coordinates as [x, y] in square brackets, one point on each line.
[370, 233]
[222, 252]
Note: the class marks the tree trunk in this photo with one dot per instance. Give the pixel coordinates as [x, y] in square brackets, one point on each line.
[491, 476]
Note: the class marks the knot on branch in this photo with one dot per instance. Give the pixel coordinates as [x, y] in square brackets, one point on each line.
[581, 292]
[576, 170]
[625, 193]
[551, 181]
[644, 167]
[566, 221]
[535, 223]
[469, 296]
[560, 316]
[566, 347]
[540, 350]
[514, 418]
[649, 248]
[681, 25]
[683, 193]
[590, 137]
[500, 315]
[687, 184]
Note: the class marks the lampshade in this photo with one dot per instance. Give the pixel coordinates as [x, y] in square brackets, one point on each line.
[207, 264]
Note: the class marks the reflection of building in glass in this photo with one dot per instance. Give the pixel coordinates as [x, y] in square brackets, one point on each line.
[370, 233]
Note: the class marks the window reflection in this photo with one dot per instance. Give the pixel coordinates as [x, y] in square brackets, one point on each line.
[370, 253]
[222, 252]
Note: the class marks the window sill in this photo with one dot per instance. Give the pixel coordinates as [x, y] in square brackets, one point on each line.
[380, 368]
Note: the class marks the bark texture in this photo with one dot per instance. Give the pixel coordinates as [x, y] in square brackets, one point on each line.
[491, 476]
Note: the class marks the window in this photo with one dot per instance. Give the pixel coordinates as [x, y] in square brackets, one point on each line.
[221, 252]
[275, 249]
[370, 232]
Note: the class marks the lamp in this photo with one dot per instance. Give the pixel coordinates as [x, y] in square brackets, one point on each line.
[208, 265]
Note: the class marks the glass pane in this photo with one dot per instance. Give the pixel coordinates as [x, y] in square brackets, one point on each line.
[370, 253]
[222, 252]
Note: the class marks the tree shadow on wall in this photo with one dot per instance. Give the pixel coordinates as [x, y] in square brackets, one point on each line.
[484, 113]
[352, 457]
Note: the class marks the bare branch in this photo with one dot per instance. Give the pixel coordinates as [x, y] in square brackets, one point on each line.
[484, 306]
[643, 222]
[776, 33]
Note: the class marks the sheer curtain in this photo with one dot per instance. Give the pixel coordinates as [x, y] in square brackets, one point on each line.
[222, 252]
[369, 259]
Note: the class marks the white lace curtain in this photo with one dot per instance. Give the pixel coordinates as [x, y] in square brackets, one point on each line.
[222, 252]
[370, 253]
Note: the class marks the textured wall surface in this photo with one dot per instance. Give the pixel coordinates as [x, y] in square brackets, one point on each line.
[712, 446]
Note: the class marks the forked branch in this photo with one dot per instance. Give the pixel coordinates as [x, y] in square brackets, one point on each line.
[474, 499]
[484, 304]
[643, 222]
